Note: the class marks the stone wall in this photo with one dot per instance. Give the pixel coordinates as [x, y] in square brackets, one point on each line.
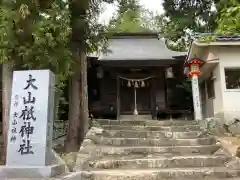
[220, 126]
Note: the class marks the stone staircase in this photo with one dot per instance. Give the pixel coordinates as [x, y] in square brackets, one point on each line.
[152, 150]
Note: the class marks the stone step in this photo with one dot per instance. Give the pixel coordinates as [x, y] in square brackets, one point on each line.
[153, 128]
[147, 122]
[152, 134]
[163, 174]
[155, 151]
[163, 162]
[172, 123]
[155, 142]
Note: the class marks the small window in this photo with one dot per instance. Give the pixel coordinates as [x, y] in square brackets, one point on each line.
[232, 78]
[210, 88]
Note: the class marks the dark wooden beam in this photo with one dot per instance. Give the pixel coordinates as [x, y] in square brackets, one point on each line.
[153, 98]
[118, 98]
[165, 89]
[138, 63]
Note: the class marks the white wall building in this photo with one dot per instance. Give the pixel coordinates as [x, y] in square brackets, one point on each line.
[219, 82]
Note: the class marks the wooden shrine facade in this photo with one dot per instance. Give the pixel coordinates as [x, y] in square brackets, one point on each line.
[135, 79]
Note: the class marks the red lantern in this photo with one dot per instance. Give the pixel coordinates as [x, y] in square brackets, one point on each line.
[194, 66]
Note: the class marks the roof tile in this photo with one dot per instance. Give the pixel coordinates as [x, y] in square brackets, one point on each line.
[139, 49]
[197, 36]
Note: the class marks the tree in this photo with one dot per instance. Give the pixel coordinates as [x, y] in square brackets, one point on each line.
[199, 17]
[128, 24]
[33, 35]
[85, 38]
[181, 18]
[36, 35]
[125, 5]
[129, 18]
[220, 6]
[229, 20]
[78, 39]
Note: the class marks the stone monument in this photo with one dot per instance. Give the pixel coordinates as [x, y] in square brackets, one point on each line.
[196, 98]
[29, 145]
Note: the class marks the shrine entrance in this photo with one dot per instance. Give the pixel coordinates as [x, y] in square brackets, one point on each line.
[138, 77]
[135, 96]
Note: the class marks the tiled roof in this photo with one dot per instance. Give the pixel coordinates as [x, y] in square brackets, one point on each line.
[218, 37]
[138, 47]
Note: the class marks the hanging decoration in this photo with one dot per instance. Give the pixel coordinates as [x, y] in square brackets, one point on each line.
[169, 73]
[129, 84]
[136, 83]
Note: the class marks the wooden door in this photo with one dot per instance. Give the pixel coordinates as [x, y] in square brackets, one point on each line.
[143, 100]
[126, 100]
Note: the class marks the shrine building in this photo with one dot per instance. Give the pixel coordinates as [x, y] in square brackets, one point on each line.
[138, 76]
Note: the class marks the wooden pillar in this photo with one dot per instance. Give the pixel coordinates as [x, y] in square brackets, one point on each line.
[153, 98]
[165, 90]
[118, 98]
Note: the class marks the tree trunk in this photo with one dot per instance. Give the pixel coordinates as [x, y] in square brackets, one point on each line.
[78, 106]
[7, 75]
[84, 97]
[74, 123]
[78, 103]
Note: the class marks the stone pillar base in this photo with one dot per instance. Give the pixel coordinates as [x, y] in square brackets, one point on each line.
[31, 171]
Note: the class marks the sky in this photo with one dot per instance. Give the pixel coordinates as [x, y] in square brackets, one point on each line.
[152, 5]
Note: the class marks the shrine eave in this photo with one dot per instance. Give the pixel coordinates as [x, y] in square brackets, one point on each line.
[218, 38]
